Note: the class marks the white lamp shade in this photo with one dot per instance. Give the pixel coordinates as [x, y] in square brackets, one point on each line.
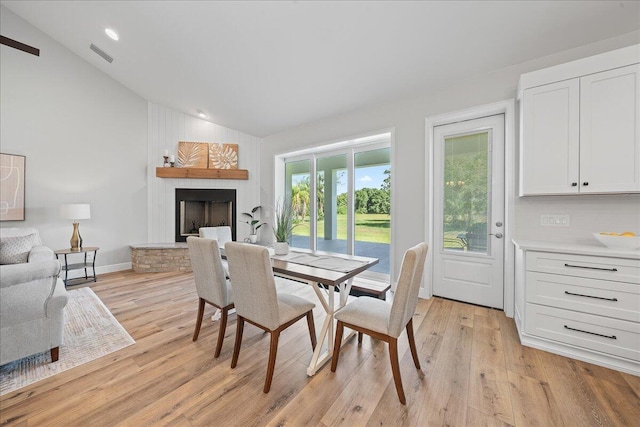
[76, 211]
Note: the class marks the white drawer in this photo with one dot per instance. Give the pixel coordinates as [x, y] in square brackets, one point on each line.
[603, 334]
[594, 267]
[600, 297]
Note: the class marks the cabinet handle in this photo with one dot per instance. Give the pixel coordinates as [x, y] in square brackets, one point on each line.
[591, 268]
[613, 337]
[585, 183]
[591, 296]
[574, 184]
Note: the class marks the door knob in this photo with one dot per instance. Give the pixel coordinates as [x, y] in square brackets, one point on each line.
[498, 235]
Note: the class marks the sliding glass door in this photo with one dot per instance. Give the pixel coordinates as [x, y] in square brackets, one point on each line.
[298, 186]
[342, 200]
[331, 184]
[372, 206]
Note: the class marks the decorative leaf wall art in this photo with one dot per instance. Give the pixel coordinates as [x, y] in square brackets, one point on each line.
[202, 155]
[193, 154]
[223, 156]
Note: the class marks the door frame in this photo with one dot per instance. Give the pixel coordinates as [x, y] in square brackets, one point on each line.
[506, 107]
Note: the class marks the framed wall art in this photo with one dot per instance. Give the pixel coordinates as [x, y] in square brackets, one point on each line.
[223, 156]
[193, 154]
[12, 168]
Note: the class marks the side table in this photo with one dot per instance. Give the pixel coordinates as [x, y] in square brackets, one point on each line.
[91, 263]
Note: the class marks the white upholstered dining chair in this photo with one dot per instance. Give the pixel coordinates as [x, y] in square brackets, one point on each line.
[385, 321]
[211, 283]
[222, 234]
[258, 302]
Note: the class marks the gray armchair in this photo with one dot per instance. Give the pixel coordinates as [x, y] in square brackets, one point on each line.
[32, 297]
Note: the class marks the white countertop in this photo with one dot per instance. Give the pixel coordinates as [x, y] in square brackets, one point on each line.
[575, 248]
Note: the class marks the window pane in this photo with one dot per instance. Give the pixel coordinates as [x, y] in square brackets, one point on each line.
[373, 206]
[298, 180]
[466, 185]
[331, 181]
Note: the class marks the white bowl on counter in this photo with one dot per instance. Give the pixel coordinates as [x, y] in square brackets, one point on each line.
[618, 242]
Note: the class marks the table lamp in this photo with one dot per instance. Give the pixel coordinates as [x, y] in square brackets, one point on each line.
[75, 212]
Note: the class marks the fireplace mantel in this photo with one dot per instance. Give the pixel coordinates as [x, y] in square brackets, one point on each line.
[195, 173]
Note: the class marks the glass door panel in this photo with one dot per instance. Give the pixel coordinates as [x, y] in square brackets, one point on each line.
[298, 184]
[466, 193]
[331, 183]
[372, 184]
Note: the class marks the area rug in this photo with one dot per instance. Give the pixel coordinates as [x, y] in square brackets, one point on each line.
[90, 332]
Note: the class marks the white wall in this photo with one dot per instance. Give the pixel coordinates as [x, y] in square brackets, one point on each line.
[166, 128]
[85, 141]
[407, 117]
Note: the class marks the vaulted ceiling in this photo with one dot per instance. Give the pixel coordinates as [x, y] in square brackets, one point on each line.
[264, 67]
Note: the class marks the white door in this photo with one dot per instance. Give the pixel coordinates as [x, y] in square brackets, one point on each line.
[469, 211]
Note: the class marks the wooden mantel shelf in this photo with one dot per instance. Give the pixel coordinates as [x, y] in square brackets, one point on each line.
[194, 173]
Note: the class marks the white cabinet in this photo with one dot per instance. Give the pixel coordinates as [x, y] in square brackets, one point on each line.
[552, 129]
[581, 302]
[609, 131]
[580, 126]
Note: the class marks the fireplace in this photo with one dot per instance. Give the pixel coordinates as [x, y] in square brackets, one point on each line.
[197, 208]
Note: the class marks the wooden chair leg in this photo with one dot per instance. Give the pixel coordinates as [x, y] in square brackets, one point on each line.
[359, 337]
[199, 319]
[223, 327]
[395, 368]
[55, 353]
[312, 329]
[336, 346]
[412, 343]
[273, 350]
[236, 347]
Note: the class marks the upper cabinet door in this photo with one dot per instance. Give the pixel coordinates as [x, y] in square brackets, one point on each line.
[609, 131]
[550, 146]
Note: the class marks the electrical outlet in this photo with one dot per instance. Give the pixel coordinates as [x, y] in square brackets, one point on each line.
[554, 220]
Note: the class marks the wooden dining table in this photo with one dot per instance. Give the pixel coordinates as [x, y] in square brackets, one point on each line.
[325, 272]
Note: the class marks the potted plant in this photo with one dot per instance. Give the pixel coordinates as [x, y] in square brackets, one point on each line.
[254, 223]
[283, 226]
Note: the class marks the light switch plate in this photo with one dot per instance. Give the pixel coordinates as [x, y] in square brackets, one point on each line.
[554, 220]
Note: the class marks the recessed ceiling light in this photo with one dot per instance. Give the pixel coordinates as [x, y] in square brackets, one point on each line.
[202, 115]
[112, 34]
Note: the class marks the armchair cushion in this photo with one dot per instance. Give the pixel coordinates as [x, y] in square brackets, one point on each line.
[41, 253]
[15, 249]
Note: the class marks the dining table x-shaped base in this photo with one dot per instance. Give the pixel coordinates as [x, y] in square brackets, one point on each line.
[324, 282]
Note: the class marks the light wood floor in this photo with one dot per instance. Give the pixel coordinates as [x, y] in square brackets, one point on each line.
[474, 372]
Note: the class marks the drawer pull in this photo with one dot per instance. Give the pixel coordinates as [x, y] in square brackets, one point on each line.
[591, 296]
[613, 337]
[591, 268]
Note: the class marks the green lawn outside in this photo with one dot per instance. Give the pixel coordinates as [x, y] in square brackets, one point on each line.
[372, 228]
[369, 228]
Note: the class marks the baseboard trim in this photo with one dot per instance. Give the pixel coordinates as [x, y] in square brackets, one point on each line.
[102, 269]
